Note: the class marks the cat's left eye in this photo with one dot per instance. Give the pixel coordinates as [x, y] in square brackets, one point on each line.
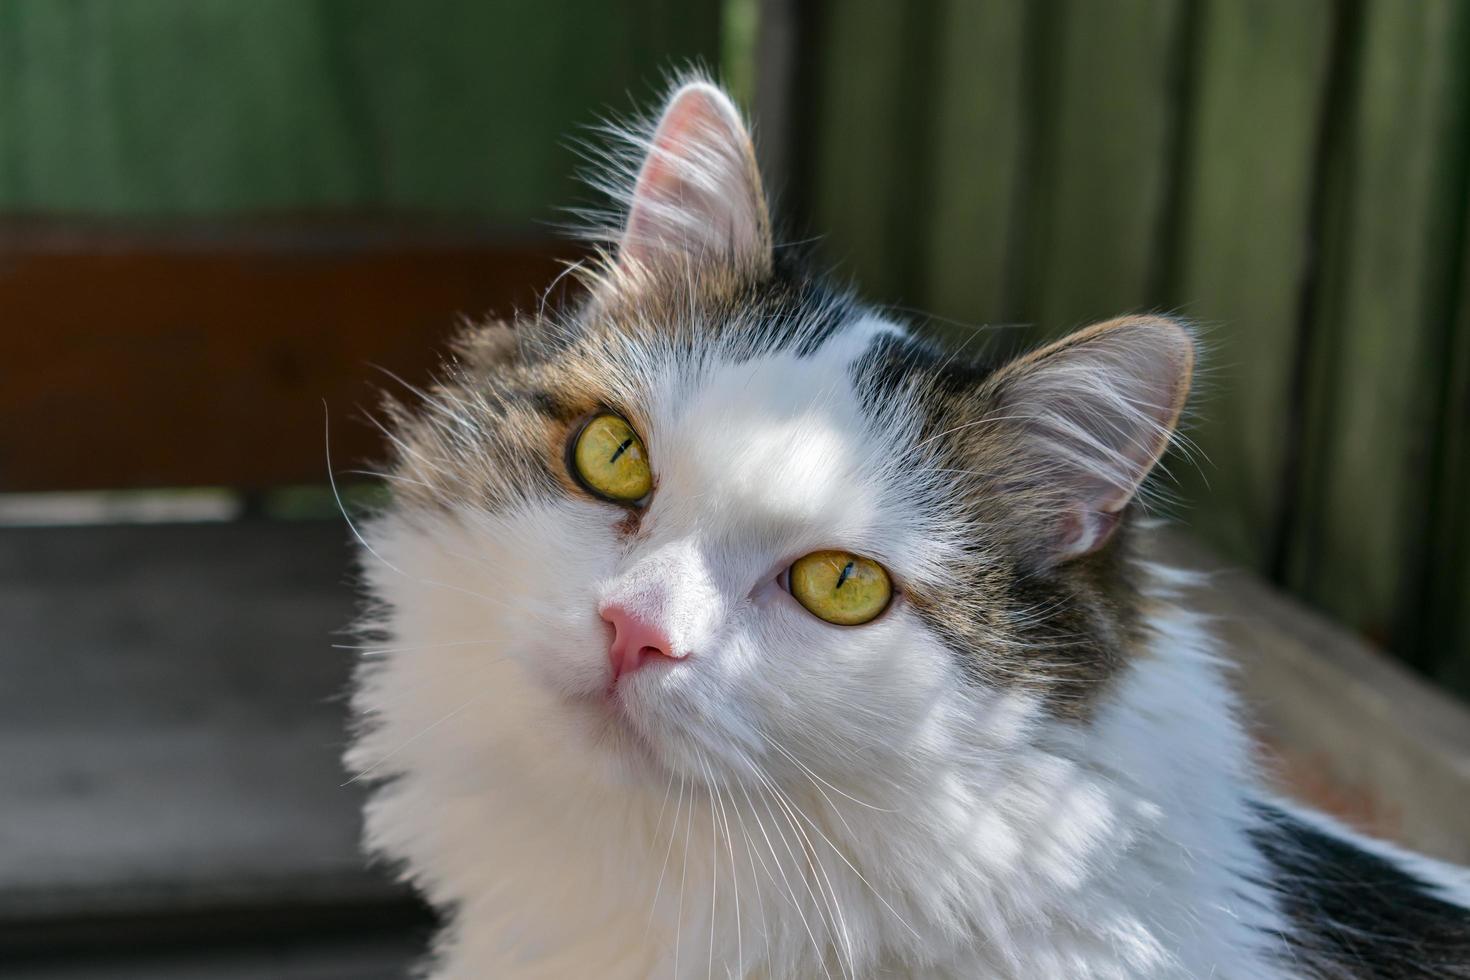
[608, 458]
[840, 587]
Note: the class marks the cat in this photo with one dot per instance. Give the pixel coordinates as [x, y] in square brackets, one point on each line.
[731, 629]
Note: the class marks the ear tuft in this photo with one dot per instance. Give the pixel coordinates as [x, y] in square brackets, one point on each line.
[698, 193]
[1089, 417]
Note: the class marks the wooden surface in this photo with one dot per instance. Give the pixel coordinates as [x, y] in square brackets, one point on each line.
[170, 359]
[1342, 726]
[366, 957]
[170, 728]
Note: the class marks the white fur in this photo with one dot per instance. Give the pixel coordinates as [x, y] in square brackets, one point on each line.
[795, 799]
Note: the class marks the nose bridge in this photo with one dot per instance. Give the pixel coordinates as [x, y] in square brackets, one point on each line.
[673, 587]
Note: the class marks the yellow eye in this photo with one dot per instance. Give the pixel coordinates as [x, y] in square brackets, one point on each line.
[609, 459]
[841, 587]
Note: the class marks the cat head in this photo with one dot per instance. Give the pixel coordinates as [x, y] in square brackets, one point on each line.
[722, 520]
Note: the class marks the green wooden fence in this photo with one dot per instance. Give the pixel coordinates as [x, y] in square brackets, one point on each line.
[1290, 175]
[152, 108]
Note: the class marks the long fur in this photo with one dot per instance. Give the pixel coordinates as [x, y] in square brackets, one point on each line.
[1030, 766]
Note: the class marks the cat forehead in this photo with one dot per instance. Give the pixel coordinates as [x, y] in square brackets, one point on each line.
[773, 432]
[784, 436]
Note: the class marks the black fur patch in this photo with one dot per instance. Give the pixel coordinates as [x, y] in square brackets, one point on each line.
[1061, 632]
[1355, 915]
[792, 309]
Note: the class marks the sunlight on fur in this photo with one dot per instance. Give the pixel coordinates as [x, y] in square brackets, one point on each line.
[1026, 764]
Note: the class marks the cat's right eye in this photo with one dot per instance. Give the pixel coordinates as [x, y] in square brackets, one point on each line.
[608, 458]
[840, 587]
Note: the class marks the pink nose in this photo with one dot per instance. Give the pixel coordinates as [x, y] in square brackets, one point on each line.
[636, 642]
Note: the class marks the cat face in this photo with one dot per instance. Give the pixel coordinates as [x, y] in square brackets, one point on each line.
[628, 531]
[756, 459]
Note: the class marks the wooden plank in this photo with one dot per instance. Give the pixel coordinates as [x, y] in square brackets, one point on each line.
[372, 955]
[1358, 548]
[199, 359]
[774, 63]
[216, 106]
[864, 169]
[1099, 186]
[977, 133]
[170, 732]
[1439, 629]
[1241, 253]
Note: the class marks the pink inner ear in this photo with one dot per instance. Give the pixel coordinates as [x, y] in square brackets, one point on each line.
[695, 191]
[1082, 530]
[685, 126]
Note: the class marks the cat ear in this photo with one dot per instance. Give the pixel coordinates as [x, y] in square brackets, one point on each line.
[698, 193]
[1086, 420]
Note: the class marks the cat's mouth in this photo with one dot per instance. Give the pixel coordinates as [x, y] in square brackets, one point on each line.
[616, 728]
[646, 734]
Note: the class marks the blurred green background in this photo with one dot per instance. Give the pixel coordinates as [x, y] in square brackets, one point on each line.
[1290, 175]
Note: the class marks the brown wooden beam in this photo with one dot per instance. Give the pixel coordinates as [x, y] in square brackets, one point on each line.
[203, 354]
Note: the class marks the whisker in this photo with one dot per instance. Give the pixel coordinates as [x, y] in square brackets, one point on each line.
[790, 892]
[813, 776]
[853, 868]
[734, 874]
[403, 745]
[829, 895]
[714, 856]
[750, 855]
[817, 904]
[368, 651]
[683, 877]
[356, 533]
[673, 832]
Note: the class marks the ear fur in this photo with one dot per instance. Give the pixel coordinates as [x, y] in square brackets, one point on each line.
[1086, 419]
[698, 194]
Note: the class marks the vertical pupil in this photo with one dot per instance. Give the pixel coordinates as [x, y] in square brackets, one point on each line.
[846, 571]
[622, 448]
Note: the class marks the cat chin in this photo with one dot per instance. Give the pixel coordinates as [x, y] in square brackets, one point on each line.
[625, 744]
[620, 750]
